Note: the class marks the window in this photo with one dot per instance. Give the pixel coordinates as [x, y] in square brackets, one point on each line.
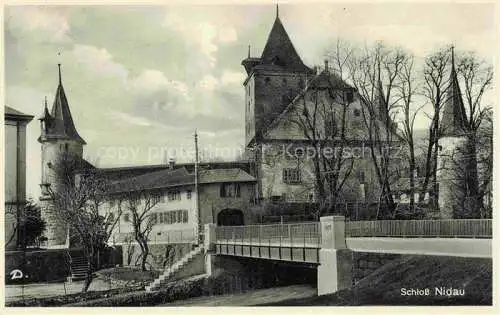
[188, 194]
[111, 203]
[154, 218]
[267, 80]
[230, 190]
[357, 112]
[126, 217]
[284, 82]
[360, 174]
[184, 216]
[66, 147]
[174, 195]
[157, 198]
[291, 176]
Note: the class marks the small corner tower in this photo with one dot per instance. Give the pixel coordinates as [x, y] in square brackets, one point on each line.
[57, 136]
[455, 153]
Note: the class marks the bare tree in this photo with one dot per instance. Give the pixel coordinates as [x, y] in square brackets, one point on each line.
[406, 89]
[434, 89]
[477, 76]
[321, 118]
[78, 194]
[374, 73]
[139, 203]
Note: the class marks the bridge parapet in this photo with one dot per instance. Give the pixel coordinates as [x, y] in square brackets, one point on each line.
[307, 234]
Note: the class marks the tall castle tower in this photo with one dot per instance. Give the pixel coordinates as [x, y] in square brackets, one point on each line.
[57, 135]
[273, 80]
[456, 158]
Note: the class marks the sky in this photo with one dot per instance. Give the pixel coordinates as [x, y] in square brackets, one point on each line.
[141, 79]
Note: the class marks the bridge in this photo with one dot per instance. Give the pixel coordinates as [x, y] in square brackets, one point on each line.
[328, 244]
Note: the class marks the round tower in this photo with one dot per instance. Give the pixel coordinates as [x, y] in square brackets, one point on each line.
[455, 155]
[58, 135]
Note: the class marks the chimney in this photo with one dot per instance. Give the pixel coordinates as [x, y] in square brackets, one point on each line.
[326, 66]
[171, 163]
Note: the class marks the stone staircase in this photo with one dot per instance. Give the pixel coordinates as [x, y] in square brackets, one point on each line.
[78, 266]
[176, 267]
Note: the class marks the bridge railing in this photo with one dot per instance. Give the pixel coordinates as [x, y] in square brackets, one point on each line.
[307, 234]
[463, 228]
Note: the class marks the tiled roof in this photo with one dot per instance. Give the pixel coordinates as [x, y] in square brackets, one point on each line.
[225, 175]
[279, 54]
[279, 50]
[453, 120]
[60, 124]
[179, 177]
[154, 180]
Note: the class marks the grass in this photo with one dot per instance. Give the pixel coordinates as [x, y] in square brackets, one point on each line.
[383, 287]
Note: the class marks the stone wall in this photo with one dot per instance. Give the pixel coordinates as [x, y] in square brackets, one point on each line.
[157, 258]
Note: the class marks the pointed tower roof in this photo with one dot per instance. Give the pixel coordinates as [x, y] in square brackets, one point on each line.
[62, 126]
[279, 52]
[45, 115]
[454, 119]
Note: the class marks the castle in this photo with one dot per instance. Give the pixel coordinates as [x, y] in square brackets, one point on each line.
[279, 91]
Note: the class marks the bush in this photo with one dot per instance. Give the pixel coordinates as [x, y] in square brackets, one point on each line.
[176, 291]
[70, 298]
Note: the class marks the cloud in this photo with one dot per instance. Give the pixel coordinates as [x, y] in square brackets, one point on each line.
[208, 83]
[207, 36]
[232, 77]
[150, 80]
[227, 78]
[99, 61]
[134, 120]
[52, 23]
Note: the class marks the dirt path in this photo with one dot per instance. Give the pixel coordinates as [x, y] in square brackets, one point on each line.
[256, 297]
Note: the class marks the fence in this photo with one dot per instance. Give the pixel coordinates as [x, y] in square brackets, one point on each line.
[307, 234]
[174, 236]
[465, 228]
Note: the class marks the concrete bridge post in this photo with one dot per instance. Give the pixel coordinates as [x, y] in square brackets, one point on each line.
[209, 246]
[335, 259]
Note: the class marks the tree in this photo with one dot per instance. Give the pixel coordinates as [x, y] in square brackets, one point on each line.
[321, 118]
[374, 73]
[139, 203]
[78, 194]
[434, 89]
[406, 90]
[31, 225]
[477, 76]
